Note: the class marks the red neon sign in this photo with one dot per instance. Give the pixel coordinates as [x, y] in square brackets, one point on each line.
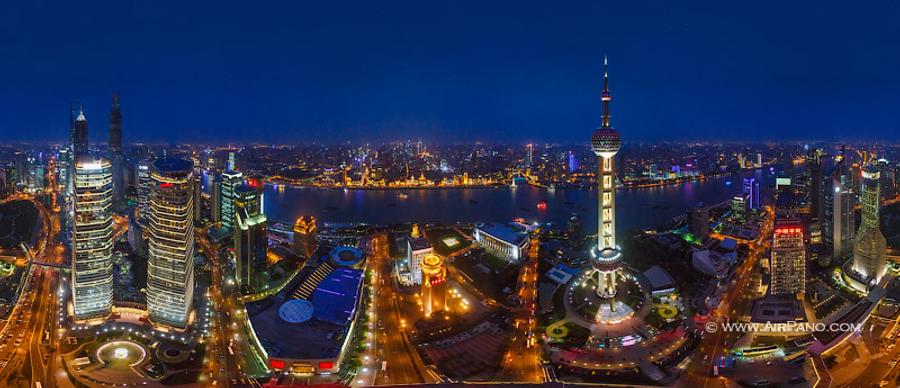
[166, 185]
[276, 364]
[326, 365]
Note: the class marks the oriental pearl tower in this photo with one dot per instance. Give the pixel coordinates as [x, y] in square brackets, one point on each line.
[606, 260]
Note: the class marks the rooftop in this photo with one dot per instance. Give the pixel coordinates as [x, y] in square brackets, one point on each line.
[506, 233]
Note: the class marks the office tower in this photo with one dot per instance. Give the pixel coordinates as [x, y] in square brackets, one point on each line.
[231, 180]
[305, 233]
[198, 203]
[80, 136]
[250, 240]
[739, 205]
[700, 223]
[215, 199]
[751, 190]
[606, 259]
[232, 164]
[788, 261]
[838, 223]
[116, 156]
[417, 248]
[529, 157]
[869, 248]
[758, 159]
[815, 191]
[434, 275]
[143, 187]
[92, 265]
[170, 271]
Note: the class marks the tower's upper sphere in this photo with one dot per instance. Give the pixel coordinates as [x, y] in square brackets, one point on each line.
[605, 142]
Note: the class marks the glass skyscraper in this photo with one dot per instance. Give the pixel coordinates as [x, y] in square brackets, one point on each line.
[170, 272]
[92, 277]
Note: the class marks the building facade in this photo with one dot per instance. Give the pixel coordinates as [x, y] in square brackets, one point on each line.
[869, 249]
[231, 180]
[305, 233]
[92, 265]
[170, 272]
[788, 261]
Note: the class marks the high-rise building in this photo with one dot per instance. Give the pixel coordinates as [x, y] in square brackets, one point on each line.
[80, 135]
[751, 190]
[198, 203]
[739, 205]
[417, 248]
[215, 198]
[838, 221]
[92, 245]
[250, 241]
[869, 248]
[606, 259]
[815, 187]
[144, 184]
[788, 261]
[116, 157]
[231, 180]
[700, 223]
[170, 272]
[305, 234]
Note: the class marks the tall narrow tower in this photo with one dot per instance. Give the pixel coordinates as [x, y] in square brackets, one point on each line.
[80, 135]
[606, 259]
[869, 254]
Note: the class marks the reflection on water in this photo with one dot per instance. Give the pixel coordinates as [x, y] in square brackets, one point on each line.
[636, 208]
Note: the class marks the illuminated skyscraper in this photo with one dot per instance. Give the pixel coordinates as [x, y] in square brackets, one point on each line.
[305, 233]
[788, 261]
[80, 135]
[606, 259]
[92, 266]
[143, 187]
[170, 272]
[215, 198]
[250, 239]
[231, 180]
[869, 248]
[838, 222]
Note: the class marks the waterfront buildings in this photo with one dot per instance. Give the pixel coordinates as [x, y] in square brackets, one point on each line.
[92, 264]
[170, 272]
[305, 233]
[231, 180]
[869, 248]
[788, 261]
[505, 241]
[606, 259]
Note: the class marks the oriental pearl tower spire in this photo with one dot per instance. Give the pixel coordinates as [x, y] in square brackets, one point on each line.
[606, 260]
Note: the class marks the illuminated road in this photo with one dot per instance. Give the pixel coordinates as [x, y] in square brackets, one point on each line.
[734, 302]
[403, 363]
[522, 360]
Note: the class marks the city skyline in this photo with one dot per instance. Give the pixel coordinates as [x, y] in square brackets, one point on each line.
[311, 71]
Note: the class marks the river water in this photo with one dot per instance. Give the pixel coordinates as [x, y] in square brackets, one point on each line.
[635, 208]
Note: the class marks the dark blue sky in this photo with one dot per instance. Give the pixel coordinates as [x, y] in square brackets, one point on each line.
[516, 71]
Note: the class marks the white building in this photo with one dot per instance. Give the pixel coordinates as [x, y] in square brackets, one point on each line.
[505, 241]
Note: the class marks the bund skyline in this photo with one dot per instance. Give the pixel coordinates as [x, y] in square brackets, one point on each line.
[501, 72]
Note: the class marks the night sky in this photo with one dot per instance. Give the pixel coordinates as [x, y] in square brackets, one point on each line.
[452, 71]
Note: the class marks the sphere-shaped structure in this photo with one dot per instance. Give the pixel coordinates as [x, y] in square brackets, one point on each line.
[605, 142]
[606, 260]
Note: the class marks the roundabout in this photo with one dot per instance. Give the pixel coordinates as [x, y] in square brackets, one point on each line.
[121, 354]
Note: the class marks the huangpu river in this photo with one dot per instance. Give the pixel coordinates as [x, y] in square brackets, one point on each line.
[637, 208]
